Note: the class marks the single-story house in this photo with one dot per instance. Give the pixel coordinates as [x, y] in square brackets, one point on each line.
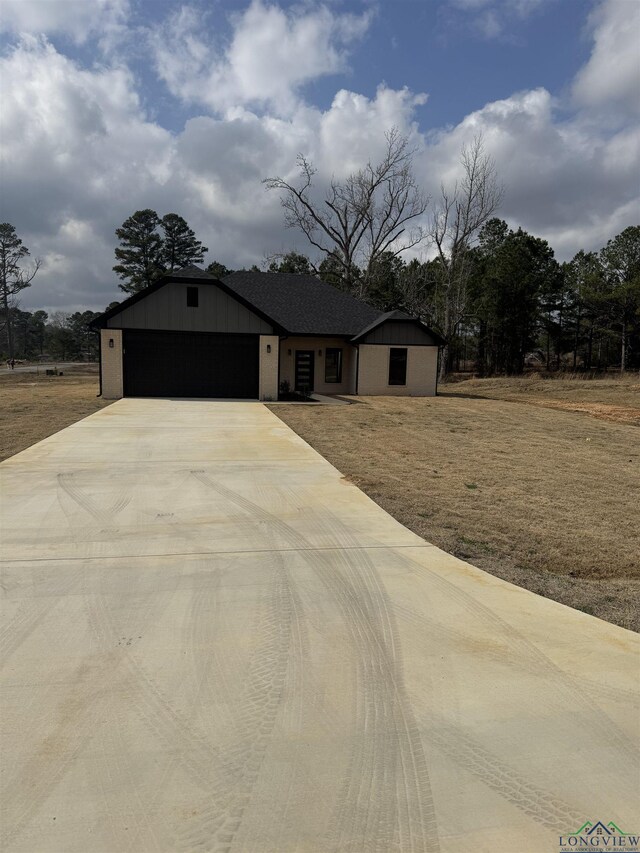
[192, 335]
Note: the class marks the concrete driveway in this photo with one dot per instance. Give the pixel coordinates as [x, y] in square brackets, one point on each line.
[213, 641]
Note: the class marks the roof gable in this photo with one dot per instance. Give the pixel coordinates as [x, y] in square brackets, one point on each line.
[398, 327]
[186, 275]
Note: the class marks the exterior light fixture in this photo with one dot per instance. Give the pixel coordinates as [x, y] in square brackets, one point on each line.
[111, 343]
[268, 347]
[288, 352]
[319, 352]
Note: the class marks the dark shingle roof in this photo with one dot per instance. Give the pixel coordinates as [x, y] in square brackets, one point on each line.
[293, 303]
[302, 304]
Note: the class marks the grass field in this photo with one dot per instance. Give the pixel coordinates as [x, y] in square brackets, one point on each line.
[536, 481]
[33, 406]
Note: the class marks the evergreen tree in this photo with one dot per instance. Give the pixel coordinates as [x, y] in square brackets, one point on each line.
[584, 278]
[140, 251]
[180, 247]
[621, 263]
[384, 290]
[218, 270]
[292, 262]
[332, 271]
[512, 271]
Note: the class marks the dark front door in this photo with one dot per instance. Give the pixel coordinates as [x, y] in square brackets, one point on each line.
[304, 370]
[189, 364]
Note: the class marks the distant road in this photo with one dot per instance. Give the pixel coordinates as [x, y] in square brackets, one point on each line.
[41, 367]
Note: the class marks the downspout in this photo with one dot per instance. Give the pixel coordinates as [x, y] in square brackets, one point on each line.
[357, 367]
[438, 370]
[99, 394]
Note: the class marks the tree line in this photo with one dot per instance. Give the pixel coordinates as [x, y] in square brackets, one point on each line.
[58, 336]
[497, 294]
[521, 307]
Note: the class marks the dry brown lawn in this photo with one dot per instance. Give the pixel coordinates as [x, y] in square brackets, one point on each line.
[536, 481]
[610, 399]
[33, 407]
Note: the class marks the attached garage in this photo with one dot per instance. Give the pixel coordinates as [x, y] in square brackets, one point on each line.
[187, 335]
[189, 364]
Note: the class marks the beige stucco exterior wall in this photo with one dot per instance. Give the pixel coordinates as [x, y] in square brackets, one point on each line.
[111, 363]
[373, 369]
[319, 344]
[268, 383]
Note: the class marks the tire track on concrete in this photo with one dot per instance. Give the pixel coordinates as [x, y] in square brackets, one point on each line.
[30, 615]
[117, 760]
[104, 515]
[535, 660]
[171, 726]
[375, 664]
[219, 821]
[185, 744]
[538, 803]
[206, 630]
[279, 640]
[401, 766]
[503, 656]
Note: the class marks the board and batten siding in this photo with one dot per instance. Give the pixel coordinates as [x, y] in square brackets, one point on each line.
[399, 334]
[167, 309]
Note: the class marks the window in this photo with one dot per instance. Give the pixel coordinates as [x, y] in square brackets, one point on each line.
[397, 366]
[333, 365]
[192, 297]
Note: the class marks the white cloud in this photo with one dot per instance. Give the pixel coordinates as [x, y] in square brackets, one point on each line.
[492, 18]
[565, 181]
[79, 154]
[76, 153]
[78, 19]
[271, 55]
[610, 80]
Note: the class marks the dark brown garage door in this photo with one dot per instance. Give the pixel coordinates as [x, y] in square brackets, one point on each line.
[189, 364]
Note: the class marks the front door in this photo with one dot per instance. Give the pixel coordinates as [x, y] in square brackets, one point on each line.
[304, 371]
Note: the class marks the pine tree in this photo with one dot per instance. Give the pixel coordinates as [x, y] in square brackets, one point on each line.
[291, 262]
[218, 270]
[140, 251]
[180, 247]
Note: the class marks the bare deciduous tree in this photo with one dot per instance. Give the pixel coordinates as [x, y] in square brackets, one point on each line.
[457, 220]
[13, 278]
[373, 211]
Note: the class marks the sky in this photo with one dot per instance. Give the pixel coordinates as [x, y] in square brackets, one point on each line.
[112, 106]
